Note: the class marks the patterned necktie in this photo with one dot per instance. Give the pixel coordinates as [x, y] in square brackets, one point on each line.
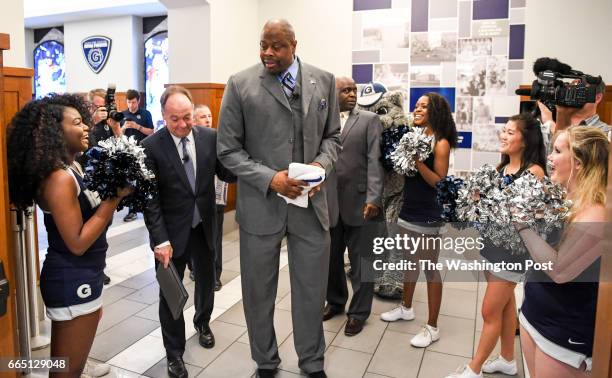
[190, 171]
[288, 84]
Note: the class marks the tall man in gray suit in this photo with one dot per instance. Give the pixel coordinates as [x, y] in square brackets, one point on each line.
[274, 114]
[355, 201]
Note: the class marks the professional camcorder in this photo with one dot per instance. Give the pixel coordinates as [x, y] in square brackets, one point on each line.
[111, 105]
[558, 84]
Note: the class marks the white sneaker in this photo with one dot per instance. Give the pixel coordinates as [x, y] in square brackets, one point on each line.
[398, 313]
[427, 336]
[500, 365]
[94, 369]
[464, 372]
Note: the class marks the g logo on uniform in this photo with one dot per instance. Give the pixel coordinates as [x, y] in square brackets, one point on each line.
[84, 291]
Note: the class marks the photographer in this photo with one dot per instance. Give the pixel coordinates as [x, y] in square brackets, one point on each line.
[138, 123]
[103, 128]
[565, 97]
[584, 116]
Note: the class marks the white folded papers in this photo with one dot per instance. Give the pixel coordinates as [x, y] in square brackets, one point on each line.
[313, 176]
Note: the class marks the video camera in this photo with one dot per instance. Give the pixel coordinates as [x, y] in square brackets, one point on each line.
[111, 105]
[551, 89]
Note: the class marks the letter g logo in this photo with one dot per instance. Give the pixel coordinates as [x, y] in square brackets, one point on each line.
[84, 291]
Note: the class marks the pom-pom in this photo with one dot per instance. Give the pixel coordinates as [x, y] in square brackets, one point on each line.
[117, 163]
[493, 204]
[447, 194]
[415, 144]
[541, 204]
[390, 140]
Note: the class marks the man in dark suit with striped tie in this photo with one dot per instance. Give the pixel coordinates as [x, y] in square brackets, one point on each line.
[181, 218]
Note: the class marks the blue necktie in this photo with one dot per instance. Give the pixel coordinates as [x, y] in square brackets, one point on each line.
[190, 171]
[288, 84]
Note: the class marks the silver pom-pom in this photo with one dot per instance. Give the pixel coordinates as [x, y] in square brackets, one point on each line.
[414, 144]
[541, 204]
[493, 204]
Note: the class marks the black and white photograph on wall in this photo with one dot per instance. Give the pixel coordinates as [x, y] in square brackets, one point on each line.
[485, 137]
[425, 75]
[462, 159]
[433, 47]
[471, 76]
[482, 111]
[463, 113]
[393, 76]
[497, 70]
[471, 47]
[385, 29]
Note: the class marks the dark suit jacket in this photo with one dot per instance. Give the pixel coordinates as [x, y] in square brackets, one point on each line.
[358, 175]
[168, 216]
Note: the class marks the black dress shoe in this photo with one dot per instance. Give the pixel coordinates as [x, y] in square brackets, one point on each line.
[353, 326]
[266, 373]
[176, 368]
[106, 278]
[206, 338]
[218, 285]
[330, 311]
[130, 217]
[317, 374]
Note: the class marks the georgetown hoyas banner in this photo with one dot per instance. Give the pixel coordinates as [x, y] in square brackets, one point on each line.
[96, 50]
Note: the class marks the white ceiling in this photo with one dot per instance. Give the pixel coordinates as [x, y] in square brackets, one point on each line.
[46, 13]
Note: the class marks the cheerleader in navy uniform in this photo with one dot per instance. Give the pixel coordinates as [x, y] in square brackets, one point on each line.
[558, 313]
[422, 216]
[522, 149]
[43, 140]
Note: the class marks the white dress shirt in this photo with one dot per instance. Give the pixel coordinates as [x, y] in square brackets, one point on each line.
[192, 155]
[190, 149]
[343, 118]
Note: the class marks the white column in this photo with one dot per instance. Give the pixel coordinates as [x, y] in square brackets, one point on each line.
[11, 22]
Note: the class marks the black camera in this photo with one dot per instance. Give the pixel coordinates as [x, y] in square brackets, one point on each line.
[111, 105]
[552, 88]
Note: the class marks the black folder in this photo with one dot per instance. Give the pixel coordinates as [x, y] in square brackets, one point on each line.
[172, 289]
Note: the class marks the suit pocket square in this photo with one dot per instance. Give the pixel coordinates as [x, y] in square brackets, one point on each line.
[323, 104]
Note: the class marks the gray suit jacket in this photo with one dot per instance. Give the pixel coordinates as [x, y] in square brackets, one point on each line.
[256, 135]
[358, 175]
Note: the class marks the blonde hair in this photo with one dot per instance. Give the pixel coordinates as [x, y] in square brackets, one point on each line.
[100, 92]
[590, 147]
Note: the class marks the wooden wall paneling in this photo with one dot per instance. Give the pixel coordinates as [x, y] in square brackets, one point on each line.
[211, 94]
[9, 345]
[602, 346]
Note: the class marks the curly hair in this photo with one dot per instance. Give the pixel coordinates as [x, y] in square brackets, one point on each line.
[36, 146]
[441, 118]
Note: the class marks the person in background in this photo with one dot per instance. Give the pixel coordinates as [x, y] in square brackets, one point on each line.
[355, 200]
[522, 148]
[103, 128]
[202, 116]
[44, 138]
[422, 215]
[136, 123]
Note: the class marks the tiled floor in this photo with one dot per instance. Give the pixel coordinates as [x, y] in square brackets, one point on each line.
[129, 336]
